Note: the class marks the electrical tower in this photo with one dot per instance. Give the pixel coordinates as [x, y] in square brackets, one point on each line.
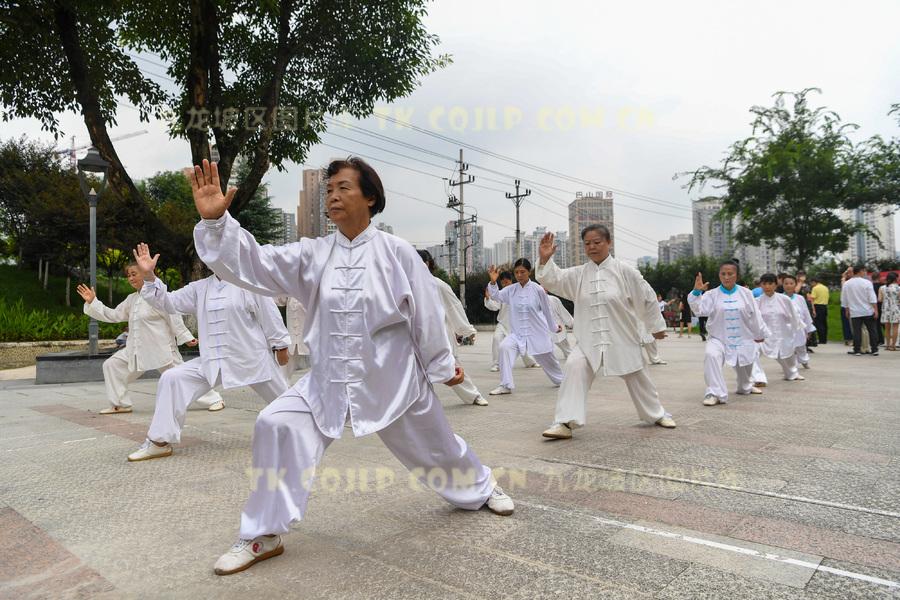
[517, 199]
[461, 221]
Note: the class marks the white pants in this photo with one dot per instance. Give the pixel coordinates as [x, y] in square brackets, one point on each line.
[571, 404]
[802, 354]
[182, 385]
[565, 347]
[287, 447]
[496, 340]
[757, 374]
[652, 349]
[117, 377]
[509, 349]
[715, 379]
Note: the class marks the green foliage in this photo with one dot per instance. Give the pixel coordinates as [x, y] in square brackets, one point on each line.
[677, 278]
[20, 324]
[258, 216]
[786, 182]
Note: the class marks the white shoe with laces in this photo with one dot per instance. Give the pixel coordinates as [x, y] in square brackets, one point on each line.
[150, 450]
[216, 406]
[710, 400]
[500, 390]
[480, 401]
[246, 553]
[559, 431]
[499, 503]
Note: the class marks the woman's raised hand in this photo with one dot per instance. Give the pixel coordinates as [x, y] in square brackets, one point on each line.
[211, 203]
[494, 273]
[547, 248]
[146, 264]
[86, 293]
[698, 283]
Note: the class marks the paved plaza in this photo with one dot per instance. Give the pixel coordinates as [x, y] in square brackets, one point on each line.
[792, 494]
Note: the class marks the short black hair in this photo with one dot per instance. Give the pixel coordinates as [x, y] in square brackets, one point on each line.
[859, 268]
[733, 262]
[425, 255]
[506, 275]
[369, 181]
[523, 262]
[891, 278]
[768, 278]
[789, 276]
[603, 230]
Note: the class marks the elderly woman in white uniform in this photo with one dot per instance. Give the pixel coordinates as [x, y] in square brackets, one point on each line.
[375, 330]
[781, 319]
[239, 332]
[502, 328]
[614, 306]
[735, 330]
[153, 340]
[457, 324]
[532, 322]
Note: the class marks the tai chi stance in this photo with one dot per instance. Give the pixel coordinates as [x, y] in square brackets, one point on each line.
[502, 329]
[613, 307]
[457, 324]
[153, 340]
[807, 326]
[735, 332]
[375, 330]
[532, 322]
[238, 333]
[781, 319]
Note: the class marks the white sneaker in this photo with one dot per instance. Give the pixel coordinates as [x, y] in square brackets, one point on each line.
[495, 369]
[216, 406]
[480, 401]
[798, 378]
[710, 400]
[246, 553]
[755, 390]
[659, 362]
[150, 450]
[500, 390]
[667, 422]
[559, 431]
[759, 383]
[499, 503]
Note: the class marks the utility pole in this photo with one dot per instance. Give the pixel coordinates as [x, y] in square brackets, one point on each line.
[517, 199]
[452, 202]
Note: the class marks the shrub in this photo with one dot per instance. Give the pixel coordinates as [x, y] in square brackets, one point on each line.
[18, 324]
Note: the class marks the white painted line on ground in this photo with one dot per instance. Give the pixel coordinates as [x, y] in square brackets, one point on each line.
[81, 440]
[722, 486]
[718, 545]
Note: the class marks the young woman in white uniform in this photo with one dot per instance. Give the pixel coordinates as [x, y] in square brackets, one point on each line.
[781, 319]
[532, 322]
[502, 329]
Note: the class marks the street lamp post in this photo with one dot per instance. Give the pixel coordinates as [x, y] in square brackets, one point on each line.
[92, 163]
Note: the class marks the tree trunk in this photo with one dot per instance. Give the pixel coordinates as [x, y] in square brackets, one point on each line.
[68, 288]
[46, 273]
[110, 279]
[40, 266]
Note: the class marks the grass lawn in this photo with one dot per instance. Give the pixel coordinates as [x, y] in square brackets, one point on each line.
[18, 283]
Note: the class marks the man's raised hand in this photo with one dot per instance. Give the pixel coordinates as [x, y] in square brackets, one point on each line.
[493, 273]
[146, 264]
[211, 203]
[547, 248]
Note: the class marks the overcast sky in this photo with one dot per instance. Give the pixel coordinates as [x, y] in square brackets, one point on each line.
[622, 95]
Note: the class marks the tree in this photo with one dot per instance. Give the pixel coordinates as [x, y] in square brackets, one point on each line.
[787, 182]
[291, 63]
[878, 168]
[113, 261]
[259, 217]
[676, 278]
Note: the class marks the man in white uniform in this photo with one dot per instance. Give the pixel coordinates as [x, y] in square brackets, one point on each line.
[781, 318]
[502, 330]
[375, 330]
[238, 333]
[613, 306]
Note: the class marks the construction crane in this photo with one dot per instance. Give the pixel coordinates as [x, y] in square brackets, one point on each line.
[73, 161]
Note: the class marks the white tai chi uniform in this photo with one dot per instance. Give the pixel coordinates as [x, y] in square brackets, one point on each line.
[757, 374]
[375, 330]
[733, 324]
[153, 340]
[531, 324]
[613, 306]
[563, 319]
[237, 332]
[806, 328]
[501, 331]
[295, 315]
[782, 320]
[457, 324]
